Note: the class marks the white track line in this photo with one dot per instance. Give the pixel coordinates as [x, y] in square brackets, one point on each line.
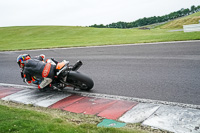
[98, 95]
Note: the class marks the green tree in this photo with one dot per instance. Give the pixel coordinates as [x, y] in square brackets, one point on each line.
[192, 10]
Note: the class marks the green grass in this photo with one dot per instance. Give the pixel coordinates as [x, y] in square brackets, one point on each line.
[22, 120]
[37, 37]
[178, 23]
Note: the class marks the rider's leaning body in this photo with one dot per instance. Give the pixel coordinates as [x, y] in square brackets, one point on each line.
[36, 68]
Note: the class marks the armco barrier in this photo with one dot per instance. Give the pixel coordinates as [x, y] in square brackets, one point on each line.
[191, 28]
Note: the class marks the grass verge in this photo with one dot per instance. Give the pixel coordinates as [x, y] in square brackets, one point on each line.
[21, 118]
[38, 37]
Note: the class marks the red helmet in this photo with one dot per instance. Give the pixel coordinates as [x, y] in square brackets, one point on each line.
[21, 58]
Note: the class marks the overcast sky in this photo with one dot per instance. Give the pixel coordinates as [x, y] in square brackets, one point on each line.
[84, 12]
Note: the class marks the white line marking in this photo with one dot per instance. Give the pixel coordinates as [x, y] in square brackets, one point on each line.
[106, 96]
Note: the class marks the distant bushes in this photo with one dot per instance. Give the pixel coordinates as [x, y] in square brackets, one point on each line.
[151, 20]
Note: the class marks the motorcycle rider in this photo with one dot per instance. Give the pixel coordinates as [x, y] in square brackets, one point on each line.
[35, 68]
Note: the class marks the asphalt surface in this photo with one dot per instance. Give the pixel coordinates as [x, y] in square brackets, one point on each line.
[164, 71]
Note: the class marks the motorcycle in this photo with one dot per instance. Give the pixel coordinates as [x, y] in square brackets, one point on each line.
[70, 77]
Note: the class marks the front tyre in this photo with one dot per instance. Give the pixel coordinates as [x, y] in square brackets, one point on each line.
[79, 80]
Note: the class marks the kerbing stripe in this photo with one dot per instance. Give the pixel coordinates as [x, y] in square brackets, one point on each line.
[97, 95]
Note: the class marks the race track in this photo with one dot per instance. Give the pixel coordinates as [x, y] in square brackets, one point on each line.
[164, 71]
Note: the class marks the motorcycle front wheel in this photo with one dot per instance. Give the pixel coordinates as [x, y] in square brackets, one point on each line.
[79, 80]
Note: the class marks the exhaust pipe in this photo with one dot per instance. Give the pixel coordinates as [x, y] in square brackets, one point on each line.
[77, 65]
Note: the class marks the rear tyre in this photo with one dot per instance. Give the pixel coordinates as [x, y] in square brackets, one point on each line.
[80, 80]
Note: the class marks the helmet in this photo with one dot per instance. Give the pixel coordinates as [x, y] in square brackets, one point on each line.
[21, 58]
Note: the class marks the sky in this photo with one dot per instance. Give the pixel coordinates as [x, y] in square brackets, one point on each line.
[84, 12]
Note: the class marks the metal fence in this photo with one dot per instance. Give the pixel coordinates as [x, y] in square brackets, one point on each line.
[191, 28]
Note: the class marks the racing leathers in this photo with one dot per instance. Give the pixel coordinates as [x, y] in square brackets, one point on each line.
[36, 68]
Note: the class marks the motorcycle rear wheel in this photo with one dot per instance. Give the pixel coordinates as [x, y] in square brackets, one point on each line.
[79, 80]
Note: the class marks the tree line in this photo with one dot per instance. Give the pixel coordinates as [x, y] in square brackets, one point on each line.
[151, 20]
